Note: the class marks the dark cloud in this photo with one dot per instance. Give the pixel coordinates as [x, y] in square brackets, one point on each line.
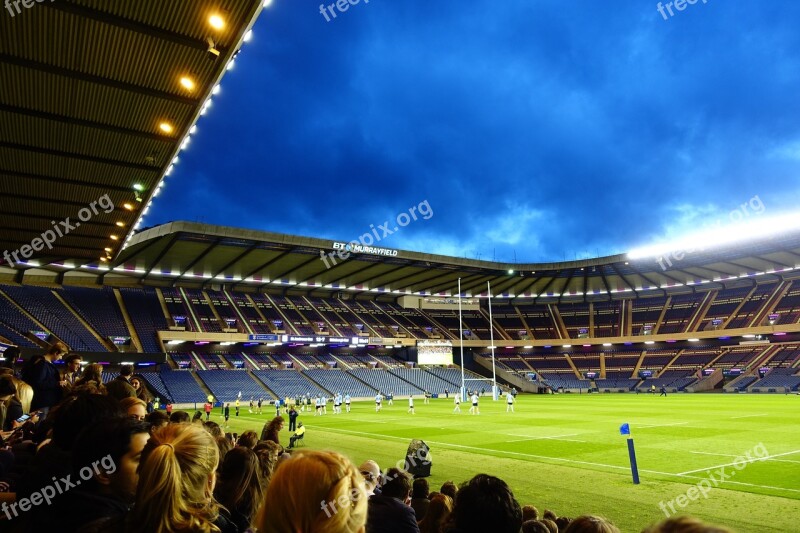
[541, 130]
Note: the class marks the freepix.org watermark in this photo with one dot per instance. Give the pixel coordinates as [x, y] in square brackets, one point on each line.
[754, 206]
[340, 5]
[364, 244]
[715, 477]
[679, 5]
[60, 229]
[13, 5]
[59, 486]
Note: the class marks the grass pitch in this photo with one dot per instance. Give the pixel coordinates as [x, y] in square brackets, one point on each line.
[565, 453]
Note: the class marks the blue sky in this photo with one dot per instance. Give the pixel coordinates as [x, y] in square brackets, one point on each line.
[536, 130]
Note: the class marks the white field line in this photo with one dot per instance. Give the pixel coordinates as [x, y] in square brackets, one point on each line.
[732, 455]
[633, 426]
[753, 460]
[558, 459]
[747, 416]
[540, 437]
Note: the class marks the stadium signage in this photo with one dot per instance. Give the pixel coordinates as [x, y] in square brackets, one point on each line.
[271, 338]
[322, 339]
[356, 248]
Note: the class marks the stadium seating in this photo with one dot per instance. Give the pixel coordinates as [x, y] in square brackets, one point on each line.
[99, 308]
[778, 379]
[226, 385]
[423, 380]
[335, 380]
[146, 314]
[182, 386]
[385, 382]
[289, 383]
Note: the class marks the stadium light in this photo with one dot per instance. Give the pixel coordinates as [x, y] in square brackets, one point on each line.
[721, 236]
[216, 22]
[694, 340]
[187, 83]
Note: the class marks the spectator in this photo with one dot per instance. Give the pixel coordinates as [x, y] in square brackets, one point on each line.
[438, 512]
[239, 487]
[292, 502]
[179, 417]
[24, 395]
[684, 524]
[125, 374]
[449, 488]
[92, 374]
[134, 408]
[485, 503]
[72, 373]
[562, 522]
[549, 515]
[591, 524]
[534, 526]
[529, 512]
[389, 511]
[41, 374]
[120, 389]
[248, 439]
[114, 446]
[9, 410]
[271, 429]
[213, 428]
[176, 483]
[372, 477]
[549, 524]
[419, 497]
[267, 453]
[157, 419]
[224, 445]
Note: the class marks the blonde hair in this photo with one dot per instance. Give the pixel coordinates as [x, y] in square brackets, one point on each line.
[174, 492]
[24, 394]
[130, 401]
[314, 492]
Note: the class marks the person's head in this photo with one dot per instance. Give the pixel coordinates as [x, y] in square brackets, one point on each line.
[197, 417]
[300, 483]
[126, 371]
[486, 503]
[372, 475]
[591, 524]
[73, 363]
[449, 488]
[529, 512]
[177, 474]
[420, 488]
[75, 413]
[267, 453]
[239, 485]
[684, 524]
[224, 445]
[111, 450]
[534, 526]
[562, 522]
[248, 439]
[157, 419]
[273, 426]
[397, 485]
[56, 352]
[179, 417]
[437, 514]
[93, 372]
[134, 408]
[120, 389]
[213, 428]
[136, 383]
[549, 524]
[549, 515]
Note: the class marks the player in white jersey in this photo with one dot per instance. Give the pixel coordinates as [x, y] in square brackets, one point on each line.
[378, 400]
[474, 410]
[411, 404]
[347, 402]
[457, 402]
[509, 402]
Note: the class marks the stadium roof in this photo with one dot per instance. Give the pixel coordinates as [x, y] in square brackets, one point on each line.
[87, 85]
[192, 254]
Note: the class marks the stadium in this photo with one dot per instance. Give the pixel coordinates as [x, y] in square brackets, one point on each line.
[692, 353]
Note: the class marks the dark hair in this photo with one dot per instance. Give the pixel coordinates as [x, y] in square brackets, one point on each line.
[72, 357]
[213, 428]
[270, 431]
[119, 389]
[224, 445]
[420, 488]
[78, 412]
[198, 415]
[550, 525]
[449, 489]
[562, 522]
[57, 348]
[126, 370]
[268, 453]
[549, 515]
[534, 526]
[111, 437]
[397, 484]
[157, 418]
[248, 439]
[529, 512]
[590, 524]
[7, 387]
[239, 487]
[179, 417]
[486, 503]
[684, 524]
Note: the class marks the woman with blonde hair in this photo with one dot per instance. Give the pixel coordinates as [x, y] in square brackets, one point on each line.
[134, 408]
[24, 395]
[315, 492]
[177, 475]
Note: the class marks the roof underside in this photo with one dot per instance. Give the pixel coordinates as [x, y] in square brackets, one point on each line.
[86, 85]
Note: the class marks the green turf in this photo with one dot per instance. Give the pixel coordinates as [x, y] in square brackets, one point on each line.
[583, 467]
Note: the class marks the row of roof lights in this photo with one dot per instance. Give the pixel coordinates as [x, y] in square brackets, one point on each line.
[217, 23]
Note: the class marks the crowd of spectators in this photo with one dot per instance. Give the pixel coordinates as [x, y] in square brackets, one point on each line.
[101, 460]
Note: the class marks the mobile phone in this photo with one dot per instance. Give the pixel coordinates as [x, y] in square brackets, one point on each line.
[23, 418]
